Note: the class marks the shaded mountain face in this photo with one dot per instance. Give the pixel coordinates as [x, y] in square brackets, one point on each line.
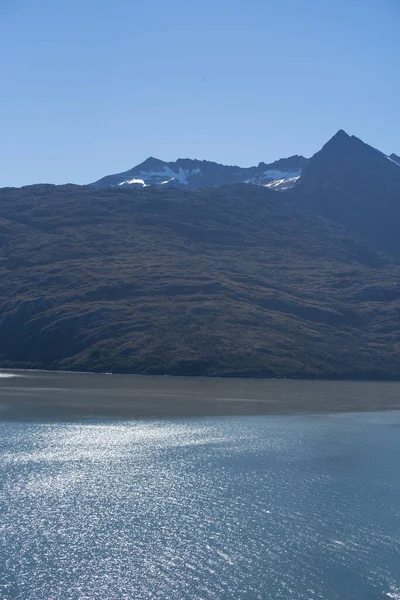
[395, 159]
[191, 174]
[234, 280]
[357, 186]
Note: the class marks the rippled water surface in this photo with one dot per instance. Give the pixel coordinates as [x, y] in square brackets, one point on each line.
[220, 508]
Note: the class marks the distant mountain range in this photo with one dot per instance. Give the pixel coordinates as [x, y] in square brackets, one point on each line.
[186, 173]
[230, 280]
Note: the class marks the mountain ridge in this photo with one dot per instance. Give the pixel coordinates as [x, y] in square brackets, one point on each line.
[280, 175]
[186, 173]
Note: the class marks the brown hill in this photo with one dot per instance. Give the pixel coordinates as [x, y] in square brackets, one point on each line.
[225, 281]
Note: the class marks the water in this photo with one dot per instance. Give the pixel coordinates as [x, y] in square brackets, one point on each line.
[271, 507]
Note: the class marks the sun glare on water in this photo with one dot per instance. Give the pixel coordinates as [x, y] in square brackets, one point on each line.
[8, 375]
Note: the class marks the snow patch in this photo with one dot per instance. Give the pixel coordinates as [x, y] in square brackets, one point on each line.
[146, 178]
[394, 590]
[166, 174]
[282, 184]
[279, 175]
[275, 178]
[133, 181]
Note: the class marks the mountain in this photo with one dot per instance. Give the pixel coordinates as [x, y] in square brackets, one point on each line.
[186, 173]
[232, 280]
[356, 186]
[281, 175]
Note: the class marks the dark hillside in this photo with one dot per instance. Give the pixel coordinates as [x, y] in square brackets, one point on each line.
[234, 280]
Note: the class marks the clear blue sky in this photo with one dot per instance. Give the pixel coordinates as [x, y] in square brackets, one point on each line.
[92, 87]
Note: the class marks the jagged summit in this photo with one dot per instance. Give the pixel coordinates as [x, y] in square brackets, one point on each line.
[348, 149]
[341, 135]
[338, 142]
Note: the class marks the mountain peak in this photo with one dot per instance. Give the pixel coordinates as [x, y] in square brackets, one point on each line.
[348, 158]
[340, 139]
[341, 135]
[150, 163]
[343, 147]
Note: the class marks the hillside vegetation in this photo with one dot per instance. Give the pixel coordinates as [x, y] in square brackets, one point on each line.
[230, 281]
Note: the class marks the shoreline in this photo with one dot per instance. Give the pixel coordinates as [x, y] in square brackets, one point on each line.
[48, 395]
[230, 376]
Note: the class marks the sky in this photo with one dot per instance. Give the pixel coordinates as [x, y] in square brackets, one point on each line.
[93, 87]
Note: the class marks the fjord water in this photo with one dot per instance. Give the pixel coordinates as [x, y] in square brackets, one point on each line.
[253, 507]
